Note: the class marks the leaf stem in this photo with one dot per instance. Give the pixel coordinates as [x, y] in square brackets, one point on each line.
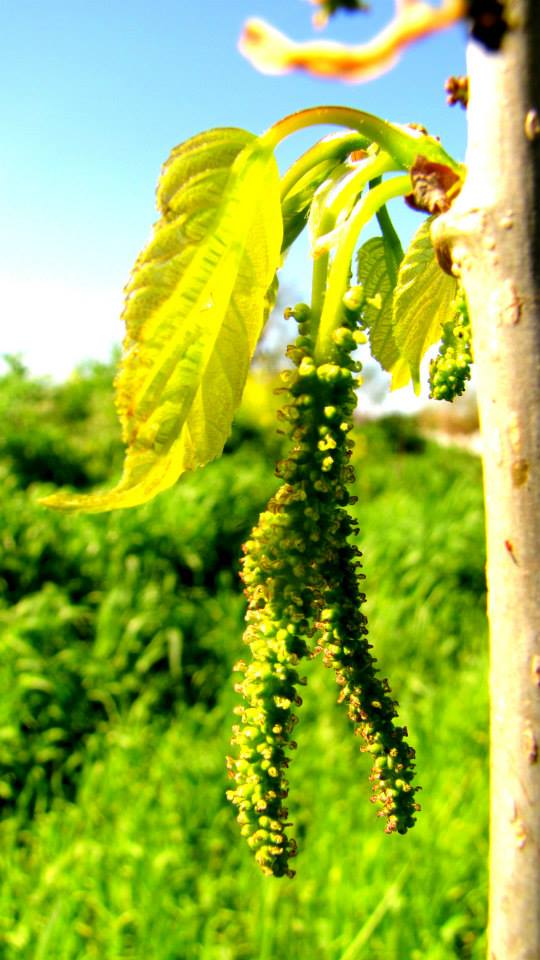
[403, 144]
[336, 146]
[338, 277]
[341, 199]
[318, 290]
[333, 202]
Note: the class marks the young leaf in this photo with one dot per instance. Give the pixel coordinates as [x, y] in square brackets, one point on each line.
[296, 205]
[392, 244]
[195, 307]
[304, 177]
[377, 272]
[319, 220]
[423, 300]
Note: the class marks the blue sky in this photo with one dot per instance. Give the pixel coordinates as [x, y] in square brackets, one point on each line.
[94, 94]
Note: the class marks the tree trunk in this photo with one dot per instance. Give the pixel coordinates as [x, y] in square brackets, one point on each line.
[492, 233]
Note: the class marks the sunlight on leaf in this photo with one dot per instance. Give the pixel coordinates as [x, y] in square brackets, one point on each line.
[195, 308]
[401, 374]
[423, 300]
[332, 150]
[377, 272]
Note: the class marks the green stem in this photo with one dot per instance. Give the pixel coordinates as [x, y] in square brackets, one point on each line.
[341, 199]
[339, 273]
[334, 147]
[318, 291]
[393, 251]
[327, 222]
[390, 237]
[403, 144]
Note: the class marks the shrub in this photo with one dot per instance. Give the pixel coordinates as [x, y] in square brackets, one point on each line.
[133, 612]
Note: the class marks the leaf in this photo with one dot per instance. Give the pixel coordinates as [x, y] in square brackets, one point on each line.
[319, 220]
[434, 185]
[393, 250]
[377, 272]
[401, 374]
[297, 203]
[316, 166]
[195, 307]
[423, 300]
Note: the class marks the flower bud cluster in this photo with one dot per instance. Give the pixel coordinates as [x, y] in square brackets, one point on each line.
[301, 578]
[451, 368]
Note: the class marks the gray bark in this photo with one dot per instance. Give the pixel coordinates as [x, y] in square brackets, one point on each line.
[492, 233]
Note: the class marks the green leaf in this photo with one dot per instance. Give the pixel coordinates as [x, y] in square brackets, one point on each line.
[392, 244]
[320, 221]
[195, 307]
[297, 203]
[377, 272]
[423, 300]
[307, 173]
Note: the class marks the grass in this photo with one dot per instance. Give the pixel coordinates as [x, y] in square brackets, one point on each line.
[146, 861]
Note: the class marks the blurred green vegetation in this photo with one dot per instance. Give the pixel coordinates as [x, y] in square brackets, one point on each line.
[119, 633]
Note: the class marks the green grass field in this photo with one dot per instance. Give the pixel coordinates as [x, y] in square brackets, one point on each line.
[119, 634]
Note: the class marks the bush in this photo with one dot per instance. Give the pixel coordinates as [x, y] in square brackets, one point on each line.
[149, 862]
[127, 613]
[139, 612]
[62, 434]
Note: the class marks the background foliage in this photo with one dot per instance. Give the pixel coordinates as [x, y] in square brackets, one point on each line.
[119, 633]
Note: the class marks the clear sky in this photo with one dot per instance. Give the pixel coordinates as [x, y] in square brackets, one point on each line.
[93, 95]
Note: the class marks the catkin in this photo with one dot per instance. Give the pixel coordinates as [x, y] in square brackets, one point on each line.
[301, 574]
[450, 370]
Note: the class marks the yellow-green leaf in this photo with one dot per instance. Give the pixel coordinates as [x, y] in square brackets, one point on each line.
[401, 374]
[377, 272]
[296, 204]
[195, 307]
[423, 299]
[307, 174]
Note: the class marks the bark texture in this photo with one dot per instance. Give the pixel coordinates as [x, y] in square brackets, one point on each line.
[492, 233]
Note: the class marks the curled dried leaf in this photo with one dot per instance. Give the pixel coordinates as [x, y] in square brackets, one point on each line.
[434, 185]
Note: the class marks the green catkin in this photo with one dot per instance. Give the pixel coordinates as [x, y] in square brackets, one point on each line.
[301, 576]
[451, 368]
[368, 698]
[274, 564]
[342, 623]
